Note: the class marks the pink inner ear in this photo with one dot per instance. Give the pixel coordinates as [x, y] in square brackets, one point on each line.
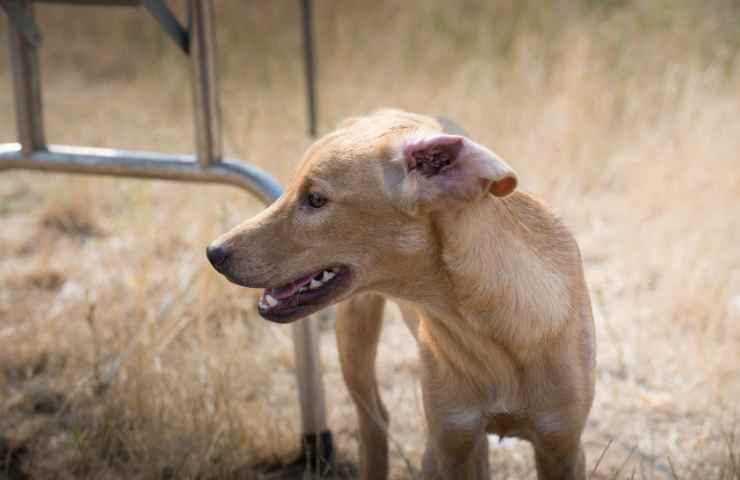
[458, 167]
[429, 156]
[503, 187]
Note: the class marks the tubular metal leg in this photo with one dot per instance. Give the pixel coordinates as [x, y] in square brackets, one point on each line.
[205, 93]
[308, 371]
[27, 86]
[309, 63]
[318, 450]
[317, 443]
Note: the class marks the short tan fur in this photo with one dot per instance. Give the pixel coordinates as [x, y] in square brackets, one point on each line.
[490, 283]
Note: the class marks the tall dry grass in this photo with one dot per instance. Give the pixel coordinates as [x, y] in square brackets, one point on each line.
[124, 356]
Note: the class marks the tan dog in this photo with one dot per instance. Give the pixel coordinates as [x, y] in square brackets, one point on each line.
[490, 283]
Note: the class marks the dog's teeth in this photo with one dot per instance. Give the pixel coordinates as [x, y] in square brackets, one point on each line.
[271, 301]
[302, 289]
[328, 275]
[314, 284]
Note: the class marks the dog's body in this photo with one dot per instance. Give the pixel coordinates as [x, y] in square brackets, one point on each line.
[490, 284]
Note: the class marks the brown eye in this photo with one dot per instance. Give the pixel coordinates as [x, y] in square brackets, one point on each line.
[316, 200]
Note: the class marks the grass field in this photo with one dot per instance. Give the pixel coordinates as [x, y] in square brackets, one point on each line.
[123, 355]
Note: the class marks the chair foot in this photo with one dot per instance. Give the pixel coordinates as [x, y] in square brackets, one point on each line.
[317, 452]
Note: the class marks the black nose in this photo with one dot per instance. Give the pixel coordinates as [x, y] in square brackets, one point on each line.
[217, 255]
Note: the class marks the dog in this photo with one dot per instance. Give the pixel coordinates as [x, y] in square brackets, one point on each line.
[400, 206]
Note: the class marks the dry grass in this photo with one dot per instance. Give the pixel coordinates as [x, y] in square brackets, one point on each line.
[124, 356]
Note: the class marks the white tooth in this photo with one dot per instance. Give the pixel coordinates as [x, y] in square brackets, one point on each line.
[314, 284]
[327, 276]
[271, 301]
[302, 289]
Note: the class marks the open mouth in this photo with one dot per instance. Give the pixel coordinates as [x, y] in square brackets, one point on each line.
[305, 295]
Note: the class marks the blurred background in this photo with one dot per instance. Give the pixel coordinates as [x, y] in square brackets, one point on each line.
[123, 355]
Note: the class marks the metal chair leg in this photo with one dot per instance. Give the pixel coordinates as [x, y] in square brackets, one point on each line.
[205, 89]
[318, 449]
[317, 442]
[26, 84]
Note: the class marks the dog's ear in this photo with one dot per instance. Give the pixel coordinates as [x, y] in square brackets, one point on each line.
[457, 166]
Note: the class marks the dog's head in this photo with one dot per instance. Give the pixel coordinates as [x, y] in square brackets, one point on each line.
[357, 215]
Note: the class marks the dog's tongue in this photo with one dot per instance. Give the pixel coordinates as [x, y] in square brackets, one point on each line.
[287, 290]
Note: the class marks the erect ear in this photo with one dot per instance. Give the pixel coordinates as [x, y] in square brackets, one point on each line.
[457, 166]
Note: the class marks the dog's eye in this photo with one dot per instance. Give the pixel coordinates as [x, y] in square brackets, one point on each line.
[316, 200]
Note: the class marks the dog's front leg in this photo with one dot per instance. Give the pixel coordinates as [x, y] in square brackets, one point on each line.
[359, 321]
[556, 461]
[457, 455]
[457, 445]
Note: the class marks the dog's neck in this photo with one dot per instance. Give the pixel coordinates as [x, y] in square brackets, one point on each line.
[510, 264]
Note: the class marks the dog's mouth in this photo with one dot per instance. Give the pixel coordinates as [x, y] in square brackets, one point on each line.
[305, 295]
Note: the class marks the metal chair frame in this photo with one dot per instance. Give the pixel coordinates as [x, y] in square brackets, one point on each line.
[207, 165]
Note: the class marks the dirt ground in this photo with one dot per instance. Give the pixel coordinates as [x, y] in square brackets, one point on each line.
[123, 355]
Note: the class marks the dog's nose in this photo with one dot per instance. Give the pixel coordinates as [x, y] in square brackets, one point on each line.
[217, 255]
